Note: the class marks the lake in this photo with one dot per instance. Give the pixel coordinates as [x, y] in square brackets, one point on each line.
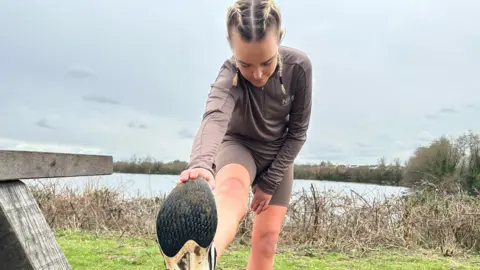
[145, 185]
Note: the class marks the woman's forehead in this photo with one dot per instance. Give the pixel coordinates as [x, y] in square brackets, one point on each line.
[256, 52]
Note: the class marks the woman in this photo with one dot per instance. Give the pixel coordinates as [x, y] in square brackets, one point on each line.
[255, 123]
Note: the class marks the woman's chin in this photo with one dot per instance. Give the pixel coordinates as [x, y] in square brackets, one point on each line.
[258, 83]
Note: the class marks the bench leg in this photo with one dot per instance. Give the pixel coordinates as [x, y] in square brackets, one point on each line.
[26, 240]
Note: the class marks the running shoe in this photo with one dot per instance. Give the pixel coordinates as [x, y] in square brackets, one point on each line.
[186, 225]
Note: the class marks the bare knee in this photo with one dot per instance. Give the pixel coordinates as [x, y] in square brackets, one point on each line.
[233, 184]
[266, 243]
[233, 180]
[266, 231]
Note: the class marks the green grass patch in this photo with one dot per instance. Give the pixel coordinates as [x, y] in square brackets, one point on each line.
[89, 251]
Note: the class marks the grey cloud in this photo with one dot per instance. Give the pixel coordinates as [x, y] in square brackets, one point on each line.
[362, 145]
[43, 124]
[317, 150]
[448, 110]
[473, 106]
[7, 144]
[431, 116]
[424, 136]
[135, 125]
[324, 157]
[103, 100]
[445, 110]
[384, 137]
[332, 149]
[369, 152]
[400, 145]
[80, 72]
[185, 133]
[59, 64]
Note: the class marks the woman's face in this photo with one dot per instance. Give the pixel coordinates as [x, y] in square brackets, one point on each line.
[256, 60]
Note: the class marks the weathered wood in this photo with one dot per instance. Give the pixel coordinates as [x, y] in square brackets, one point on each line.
[26, 240]
[30, 165]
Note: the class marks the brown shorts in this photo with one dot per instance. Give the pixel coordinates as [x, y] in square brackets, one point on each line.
[235, 152]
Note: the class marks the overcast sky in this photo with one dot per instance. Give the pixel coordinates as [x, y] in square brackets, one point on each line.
[131, 77]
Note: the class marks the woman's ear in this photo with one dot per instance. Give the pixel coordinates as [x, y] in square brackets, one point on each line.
[230, 44]
[228, 40]
[281, 35]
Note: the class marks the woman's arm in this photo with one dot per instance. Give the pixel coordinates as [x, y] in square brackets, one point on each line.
[219, 107]
[297, 132]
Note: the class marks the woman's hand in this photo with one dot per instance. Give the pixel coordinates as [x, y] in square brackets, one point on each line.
[192, 174]
[260, 200]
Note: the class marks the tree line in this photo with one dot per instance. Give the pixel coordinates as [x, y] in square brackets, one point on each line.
[385, 174]
[446, 163]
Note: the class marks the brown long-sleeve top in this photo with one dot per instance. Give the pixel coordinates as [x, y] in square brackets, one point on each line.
[265, 117]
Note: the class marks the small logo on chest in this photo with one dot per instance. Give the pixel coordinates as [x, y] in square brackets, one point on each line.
[287, 100]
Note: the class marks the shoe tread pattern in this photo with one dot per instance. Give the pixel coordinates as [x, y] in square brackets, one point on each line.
[188, 213]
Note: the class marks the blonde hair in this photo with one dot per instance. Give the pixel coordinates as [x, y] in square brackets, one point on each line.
[252, 19]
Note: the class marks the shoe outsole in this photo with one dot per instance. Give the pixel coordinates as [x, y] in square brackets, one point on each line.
[186, 225]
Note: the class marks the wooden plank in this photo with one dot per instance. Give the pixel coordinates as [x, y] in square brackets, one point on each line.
[31, 165]
[26, 240]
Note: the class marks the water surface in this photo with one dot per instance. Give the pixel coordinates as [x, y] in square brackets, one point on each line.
[146, 185]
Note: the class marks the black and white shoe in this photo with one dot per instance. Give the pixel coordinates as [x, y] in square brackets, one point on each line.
[186, 225]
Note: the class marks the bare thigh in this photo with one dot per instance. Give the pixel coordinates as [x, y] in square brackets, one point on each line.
[231, 152]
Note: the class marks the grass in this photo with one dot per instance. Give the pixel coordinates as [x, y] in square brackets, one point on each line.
[102, 251]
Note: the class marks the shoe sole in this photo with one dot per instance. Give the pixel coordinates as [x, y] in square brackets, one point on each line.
[186, 225]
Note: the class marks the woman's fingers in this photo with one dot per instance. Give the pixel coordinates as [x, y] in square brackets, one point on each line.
[211, 180]
[208, 176]
[260, 205]
[260, 208]
[254, 205]
[193, 174]
[184, 176]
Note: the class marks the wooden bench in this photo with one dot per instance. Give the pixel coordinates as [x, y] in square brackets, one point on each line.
[26, 240]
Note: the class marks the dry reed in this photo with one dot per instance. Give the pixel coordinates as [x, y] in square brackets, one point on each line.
[327, 220]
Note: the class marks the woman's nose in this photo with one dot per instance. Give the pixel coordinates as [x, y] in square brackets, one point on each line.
[257, 74]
